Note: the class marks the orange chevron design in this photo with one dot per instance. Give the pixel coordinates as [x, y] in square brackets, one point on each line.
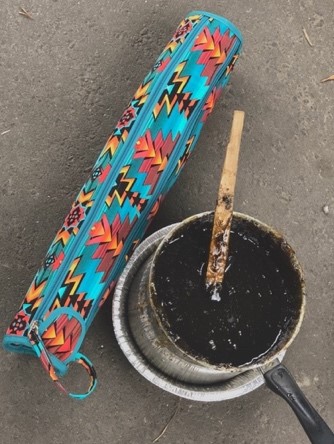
[63, 236]
[144, 147]
[66, 347]
[158, 160]
[163, 164]
[50, 333]
[171, 46]
[141, 93]
[111, 145]
[113, 244]
[70, 279]
[166, 100]
[109, 251]
[84, 199]
[108, 201]
[204, 41]
[34, 292]
[118, 249]
[214, 50]
[178, 79]
[58, 340]
[219, 54]
[101, 233]
[152, 167]
[125, 134]
[61, 336]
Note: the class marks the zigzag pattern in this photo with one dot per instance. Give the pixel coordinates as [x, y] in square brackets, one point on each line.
[214, 48]
[33, 297]
[123, 200]
[68, 296]
[142, 94]
[122, 187]
[174, 94]
[62, 236]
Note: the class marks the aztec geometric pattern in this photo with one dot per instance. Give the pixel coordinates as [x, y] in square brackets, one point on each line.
[60, 337]
[140, 162]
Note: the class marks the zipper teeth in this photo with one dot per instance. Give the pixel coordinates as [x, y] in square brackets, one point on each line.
[160, 188]
[118, 162]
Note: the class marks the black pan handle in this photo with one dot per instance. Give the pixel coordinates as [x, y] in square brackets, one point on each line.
[281, 382]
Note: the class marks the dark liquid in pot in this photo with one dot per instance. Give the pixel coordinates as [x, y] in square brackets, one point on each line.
[253, 311]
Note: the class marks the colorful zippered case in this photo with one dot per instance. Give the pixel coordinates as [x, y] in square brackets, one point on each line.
[138, 165]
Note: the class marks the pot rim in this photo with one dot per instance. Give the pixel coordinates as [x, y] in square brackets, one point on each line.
[288, 338]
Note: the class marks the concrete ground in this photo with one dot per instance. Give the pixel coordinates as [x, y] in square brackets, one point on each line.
[66, 76]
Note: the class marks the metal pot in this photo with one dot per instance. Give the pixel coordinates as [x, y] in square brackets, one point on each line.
[149, 357]
[147, 345]
[184, 365]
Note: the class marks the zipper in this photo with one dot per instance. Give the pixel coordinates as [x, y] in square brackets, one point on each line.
[119, 161]
[160, 188]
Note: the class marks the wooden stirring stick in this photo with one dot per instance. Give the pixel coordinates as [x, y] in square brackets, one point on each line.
[224, 208]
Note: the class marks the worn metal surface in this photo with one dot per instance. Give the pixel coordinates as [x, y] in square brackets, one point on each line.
[289, 336]
[65, 78]
[151, 353]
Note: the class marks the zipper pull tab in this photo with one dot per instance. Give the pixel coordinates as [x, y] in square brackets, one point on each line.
[33, 331]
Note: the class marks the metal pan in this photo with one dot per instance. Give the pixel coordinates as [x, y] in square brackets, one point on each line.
[149, 348]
